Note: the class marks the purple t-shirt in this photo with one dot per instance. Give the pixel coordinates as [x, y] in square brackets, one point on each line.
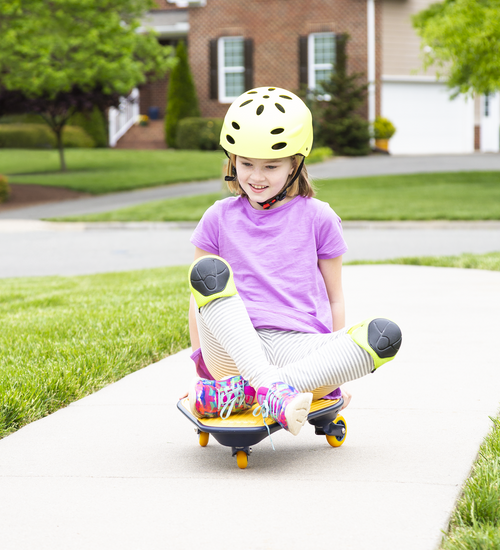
[274, 256]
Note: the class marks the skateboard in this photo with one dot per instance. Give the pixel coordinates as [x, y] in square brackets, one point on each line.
[241, 430]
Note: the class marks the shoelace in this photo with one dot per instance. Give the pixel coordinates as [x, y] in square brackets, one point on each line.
[264, 411]
[237, 398]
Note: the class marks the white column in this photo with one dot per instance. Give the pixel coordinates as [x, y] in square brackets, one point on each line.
[371, 59]
[490, 123]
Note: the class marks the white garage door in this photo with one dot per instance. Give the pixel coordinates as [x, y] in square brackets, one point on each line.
[426, 120]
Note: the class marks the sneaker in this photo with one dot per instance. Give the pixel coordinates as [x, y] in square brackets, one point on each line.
[285, 405]
[212, 398]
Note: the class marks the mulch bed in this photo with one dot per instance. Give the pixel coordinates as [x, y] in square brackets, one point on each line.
[23, 195]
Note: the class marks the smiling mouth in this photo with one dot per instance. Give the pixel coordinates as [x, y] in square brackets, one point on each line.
[258, 187]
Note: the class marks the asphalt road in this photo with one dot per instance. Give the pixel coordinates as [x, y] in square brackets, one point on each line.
[29, 247]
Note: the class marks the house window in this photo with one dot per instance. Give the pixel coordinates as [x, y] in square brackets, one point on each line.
[231, 67]
[321, 53]
[231, 61]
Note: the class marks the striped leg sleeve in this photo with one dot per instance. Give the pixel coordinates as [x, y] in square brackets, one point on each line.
[311, 361]
[230, 343]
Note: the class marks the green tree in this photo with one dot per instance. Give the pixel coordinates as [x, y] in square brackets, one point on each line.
[182, 101]
[462, 38]
[61, 57]
[338, 125]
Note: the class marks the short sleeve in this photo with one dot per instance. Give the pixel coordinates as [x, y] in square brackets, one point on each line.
[206, 234]
[329, 235]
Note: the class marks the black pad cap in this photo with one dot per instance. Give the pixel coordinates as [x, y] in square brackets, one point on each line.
[384, 337]
[209, 276]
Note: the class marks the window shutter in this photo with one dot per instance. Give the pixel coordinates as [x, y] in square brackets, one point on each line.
[303, 72]
[340, 53]
[214, 73]
[248, 52]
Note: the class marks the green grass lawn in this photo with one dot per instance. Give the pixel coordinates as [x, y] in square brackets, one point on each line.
[440, 196]
[100, 171]
[62, 338]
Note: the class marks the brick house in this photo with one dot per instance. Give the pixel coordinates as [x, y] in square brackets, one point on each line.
[234, 45]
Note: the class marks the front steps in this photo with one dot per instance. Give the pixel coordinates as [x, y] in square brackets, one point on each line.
[151, 136]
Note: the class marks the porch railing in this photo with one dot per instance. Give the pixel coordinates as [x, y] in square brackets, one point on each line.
[121, 119]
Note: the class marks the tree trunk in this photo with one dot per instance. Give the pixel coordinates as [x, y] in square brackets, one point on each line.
[58, 132]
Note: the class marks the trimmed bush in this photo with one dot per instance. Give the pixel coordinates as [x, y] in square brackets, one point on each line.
[40, 136]
[383, 128]
[199, 133]
[182, 101]
[94, 125]
[4, 188]
[319, 155]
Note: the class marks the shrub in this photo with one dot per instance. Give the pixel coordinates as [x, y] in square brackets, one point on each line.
[383, 128]
[182, 101]
[338, 101]
[40, 136]
[4, 188]
[319, 155]
[94, 125]
[199, 133]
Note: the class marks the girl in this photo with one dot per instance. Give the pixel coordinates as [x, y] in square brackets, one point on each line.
[267, 307]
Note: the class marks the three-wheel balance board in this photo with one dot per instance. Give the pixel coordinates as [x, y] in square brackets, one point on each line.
[240, 430]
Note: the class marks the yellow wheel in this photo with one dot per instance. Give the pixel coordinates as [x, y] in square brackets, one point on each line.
[242, 459]
[338, 440]
[204, 439]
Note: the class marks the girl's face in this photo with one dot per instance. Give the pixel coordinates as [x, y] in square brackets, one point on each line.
[262, 179]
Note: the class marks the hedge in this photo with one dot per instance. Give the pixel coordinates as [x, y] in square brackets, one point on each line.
[199, 133]
[40, 136]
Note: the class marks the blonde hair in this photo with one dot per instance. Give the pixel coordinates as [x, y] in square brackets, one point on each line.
[301, 186]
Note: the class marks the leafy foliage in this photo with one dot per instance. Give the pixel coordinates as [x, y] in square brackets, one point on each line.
[462, 38]
[182, 101]
[86, 54]
[383, 128]
[39, 136]
[94, 124]
[199, 133]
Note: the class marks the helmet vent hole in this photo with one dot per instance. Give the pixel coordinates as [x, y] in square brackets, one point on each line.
[230, 139]
[278, 146]
[280, 107]
[266, 97]
[235, 125]
[277, 131]
[246, 102]
[260, 109]
[285, 97]
[271, 89]
[252, 92]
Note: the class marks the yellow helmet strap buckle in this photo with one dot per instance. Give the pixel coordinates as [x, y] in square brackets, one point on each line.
[282, 194]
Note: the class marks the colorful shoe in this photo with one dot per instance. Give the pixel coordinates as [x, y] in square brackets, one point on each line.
[212, 398]
[211, 277]
[381, 338]
[285, 405]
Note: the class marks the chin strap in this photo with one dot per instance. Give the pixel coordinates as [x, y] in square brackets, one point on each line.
[282, 194]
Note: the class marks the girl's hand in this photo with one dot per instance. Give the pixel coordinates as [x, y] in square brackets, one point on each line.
[346, 396]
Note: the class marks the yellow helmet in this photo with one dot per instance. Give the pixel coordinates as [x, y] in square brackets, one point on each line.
[267, 123]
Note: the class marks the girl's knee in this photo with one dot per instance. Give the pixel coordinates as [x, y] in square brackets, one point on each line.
[211, 277]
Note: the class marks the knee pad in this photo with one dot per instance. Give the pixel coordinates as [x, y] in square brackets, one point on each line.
[211, 277]
[381, 338]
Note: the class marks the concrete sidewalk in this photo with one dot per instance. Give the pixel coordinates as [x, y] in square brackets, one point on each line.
[122, 469]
